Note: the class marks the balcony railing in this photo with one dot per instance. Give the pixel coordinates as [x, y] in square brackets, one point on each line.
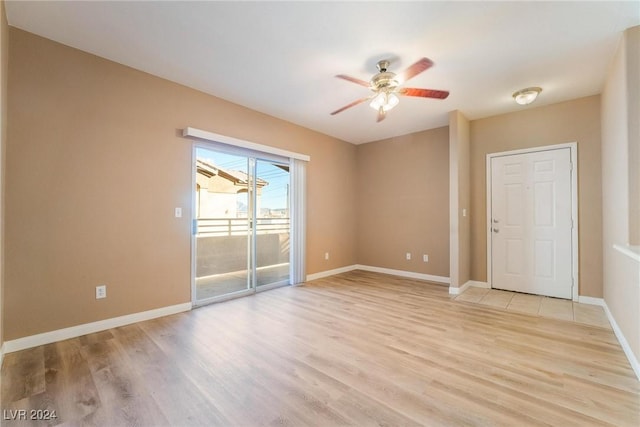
[219, 227]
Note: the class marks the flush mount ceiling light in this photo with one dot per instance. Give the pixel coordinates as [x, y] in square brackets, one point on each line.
[526, 96]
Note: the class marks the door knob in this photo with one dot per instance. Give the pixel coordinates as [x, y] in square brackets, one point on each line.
[495, 230]
[495, 221]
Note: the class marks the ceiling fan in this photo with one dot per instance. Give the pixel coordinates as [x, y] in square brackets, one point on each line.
[384, 86]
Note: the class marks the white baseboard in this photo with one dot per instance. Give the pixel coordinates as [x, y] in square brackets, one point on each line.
[633, 361]
[457, 291]
[89, 328]
[328, 273]
[478, 284]
[1, 354]
[470, 283]
[402, 273]
[591, 300]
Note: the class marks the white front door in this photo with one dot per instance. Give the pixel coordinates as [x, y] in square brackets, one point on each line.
[531, 223]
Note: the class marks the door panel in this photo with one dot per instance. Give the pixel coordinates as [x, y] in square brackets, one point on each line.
[545, 253]
[222, 237]
[272, 224]
[513, 204]
[514, 253]
[531, 223]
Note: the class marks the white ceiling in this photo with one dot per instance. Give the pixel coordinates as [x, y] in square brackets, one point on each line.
[280, 58]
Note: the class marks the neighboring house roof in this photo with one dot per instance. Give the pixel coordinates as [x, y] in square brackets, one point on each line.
[237, 178]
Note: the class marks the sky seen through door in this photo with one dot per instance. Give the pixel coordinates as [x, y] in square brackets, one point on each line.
[274, 195]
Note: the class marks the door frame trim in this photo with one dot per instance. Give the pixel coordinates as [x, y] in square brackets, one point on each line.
[573, 150]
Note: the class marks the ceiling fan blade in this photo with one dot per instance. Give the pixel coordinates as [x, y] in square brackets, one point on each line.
[381, 115]
[424, 93]
[415, 69]
[354, 103]
[353, 80]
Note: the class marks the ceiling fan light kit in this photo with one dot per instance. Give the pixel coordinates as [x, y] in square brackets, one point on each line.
[384, 100]
[384, 86]
[527, 96]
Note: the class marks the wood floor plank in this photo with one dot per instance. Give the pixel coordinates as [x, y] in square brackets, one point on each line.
[277, 374]
[218, 373]
[178, 397]
[358, 348]
[24, 376]
[124, 396]
[68, 376]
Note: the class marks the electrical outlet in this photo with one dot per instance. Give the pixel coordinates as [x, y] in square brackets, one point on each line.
[425, 258]
[178, 213]
[101, 291]
[408, 255]
[326, 256]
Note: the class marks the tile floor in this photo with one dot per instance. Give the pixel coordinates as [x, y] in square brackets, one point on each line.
[537, 305]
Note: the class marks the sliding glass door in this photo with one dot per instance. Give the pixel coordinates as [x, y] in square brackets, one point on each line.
[272, 231]
[241, 224]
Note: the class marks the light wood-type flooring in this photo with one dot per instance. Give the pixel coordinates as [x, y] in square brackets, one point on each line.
[354, 349]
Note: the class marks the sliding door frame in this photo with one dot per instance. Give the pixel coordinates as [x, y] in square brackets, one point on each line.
[289, 280]
[220, 143]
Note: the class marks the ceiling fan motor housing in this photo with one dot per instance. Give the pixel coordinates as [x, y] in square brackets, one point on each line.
[384, 80]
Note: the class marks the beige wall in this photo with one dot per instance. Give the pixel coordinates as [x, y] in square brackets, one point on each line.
[459, 199]
[403, 202]
[621, 273]
[572, 121]
[95, 168]
[4, 56]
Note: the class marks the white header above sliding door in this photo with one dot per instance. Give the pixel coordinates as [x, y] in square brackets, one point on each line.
[214, 137]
